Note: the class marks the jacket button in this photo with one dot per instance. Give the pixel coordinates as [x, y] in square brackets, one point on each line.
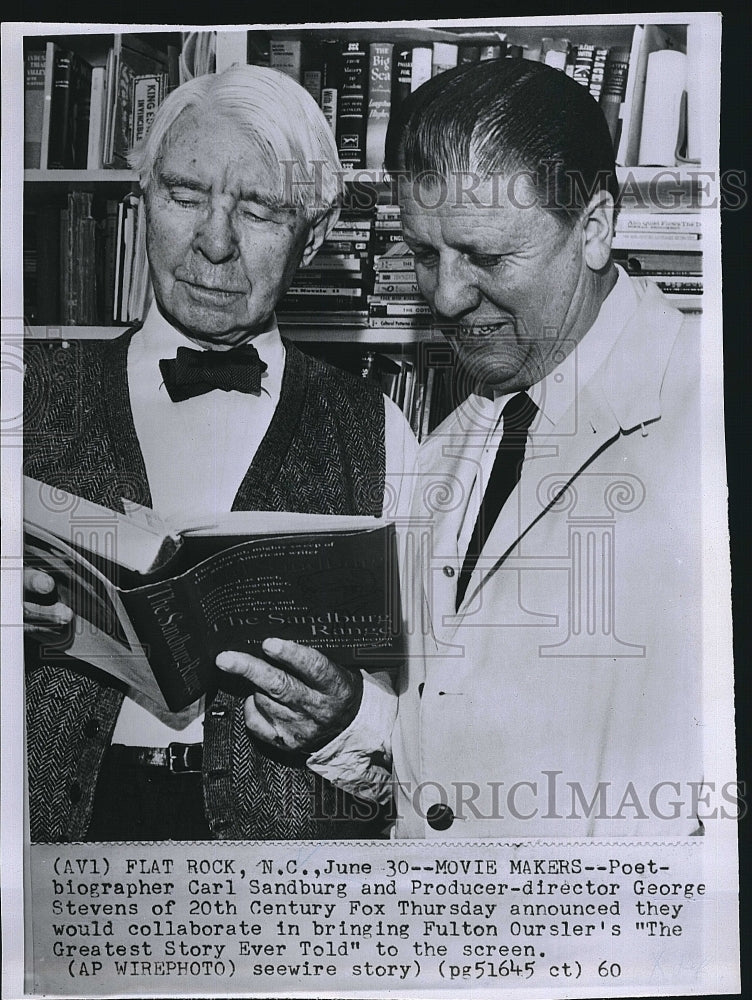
[74, 792]
[91, 728]
[449, 571]
[439, 816]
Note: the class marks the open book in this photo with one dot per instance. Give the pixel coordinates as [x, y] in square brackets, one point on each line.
[156, 602]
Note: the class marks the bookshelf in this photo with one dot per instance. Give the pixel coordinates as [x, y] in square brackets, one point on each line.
[684, 180]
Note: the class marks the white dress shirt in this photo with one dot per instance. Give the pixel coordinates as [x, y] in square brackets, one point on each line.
[196, 454]
[348, 759]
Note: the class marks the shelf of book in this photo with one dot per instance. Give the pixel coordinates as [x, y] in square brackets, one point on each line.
[351, 273]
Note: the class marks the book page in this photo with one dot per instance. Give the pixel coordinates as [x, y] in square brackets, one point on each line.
[548, 781]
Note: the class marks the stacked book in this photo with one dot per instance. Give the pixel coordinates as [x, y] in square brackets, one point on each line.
[396, 302]
[663, 246]
[333, 288]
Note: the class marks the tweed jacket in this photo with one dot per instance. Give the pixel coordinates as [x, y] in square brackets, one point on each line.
[324, 452]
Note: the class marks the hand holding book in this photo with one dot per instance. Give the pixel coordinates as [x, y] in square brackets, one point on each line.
[42, 608]
[302, 701]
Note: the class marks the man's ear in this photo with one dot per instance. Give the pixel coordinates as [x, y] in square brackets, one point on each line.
[318, 230]
[598, 230]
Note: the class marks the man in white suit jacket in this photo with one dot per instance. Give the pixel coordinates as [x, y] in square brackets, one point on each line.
[559, 695]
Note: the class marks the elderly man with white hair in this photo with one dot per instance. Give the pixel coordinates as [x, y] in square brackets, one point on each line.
[242, 184]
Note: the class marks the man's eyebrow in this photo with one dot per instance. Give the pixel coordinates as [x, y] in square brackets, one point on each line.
[179, 180]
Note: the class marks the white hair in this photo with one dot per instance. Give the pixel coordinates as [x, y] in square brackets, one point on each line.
[283, 123]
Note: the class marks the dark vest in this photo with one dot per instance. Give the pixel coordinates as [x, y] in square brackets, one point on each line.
[324, 453]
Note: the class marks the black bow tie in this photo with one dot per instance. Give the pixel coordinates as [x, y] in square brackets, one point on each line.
[192, 373]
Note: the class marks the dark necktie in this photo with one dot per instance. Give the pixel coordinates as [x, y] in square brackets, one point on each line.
[518, 414]
[191, 373]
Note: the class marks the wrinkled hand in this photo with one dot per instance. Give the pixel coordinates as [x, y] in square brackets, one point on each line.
[43, 614]
[303, 699]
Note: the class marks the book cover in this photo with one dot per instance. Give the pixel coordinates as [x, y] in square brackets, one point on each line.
[178, 596]
[34, 64]
[286, 56]
[379, 102]
[352, 105]
[148, 93]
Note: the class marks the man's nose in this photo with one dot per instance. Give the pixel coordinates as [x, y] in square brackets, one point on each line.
[456, 291]
[215, 235]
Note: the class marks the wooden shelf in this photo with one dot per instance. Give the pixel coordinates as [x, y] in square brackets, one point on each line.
[345, 335]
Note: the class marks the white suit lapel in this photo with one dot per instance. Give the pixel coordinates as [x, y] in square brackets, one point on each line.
[623, 394]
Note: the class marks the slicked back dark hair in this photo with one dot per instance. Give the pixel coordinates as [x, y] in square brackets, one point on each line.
[503, 116]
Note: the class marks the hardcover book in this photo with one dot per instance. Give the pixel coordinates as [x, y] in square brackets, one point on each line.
[70, 97]
[155, 603]
[379, 102]
[352, 105]
[34, 64]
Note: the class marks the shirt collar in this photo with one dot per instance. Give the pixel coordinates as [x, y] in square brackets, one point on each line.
[557, 392]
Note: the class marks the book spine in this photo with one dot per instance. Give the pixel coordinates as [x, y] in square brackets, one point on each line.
[330, 81]
[554, 52]
[312, 70]
[96, 119]
[399, 309]
[81, 111]
[49, 73]
[444, 57]
[33, 108]
[108, 261]
[665, 84]
[658, 222]
[379, 102]
[165, 625]
[352, 106]
[490, 51]
[59, 154]
[422, 65]
[614, 88]
[599, 68]
[402, 71]
[582, 66]
[468, 53]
